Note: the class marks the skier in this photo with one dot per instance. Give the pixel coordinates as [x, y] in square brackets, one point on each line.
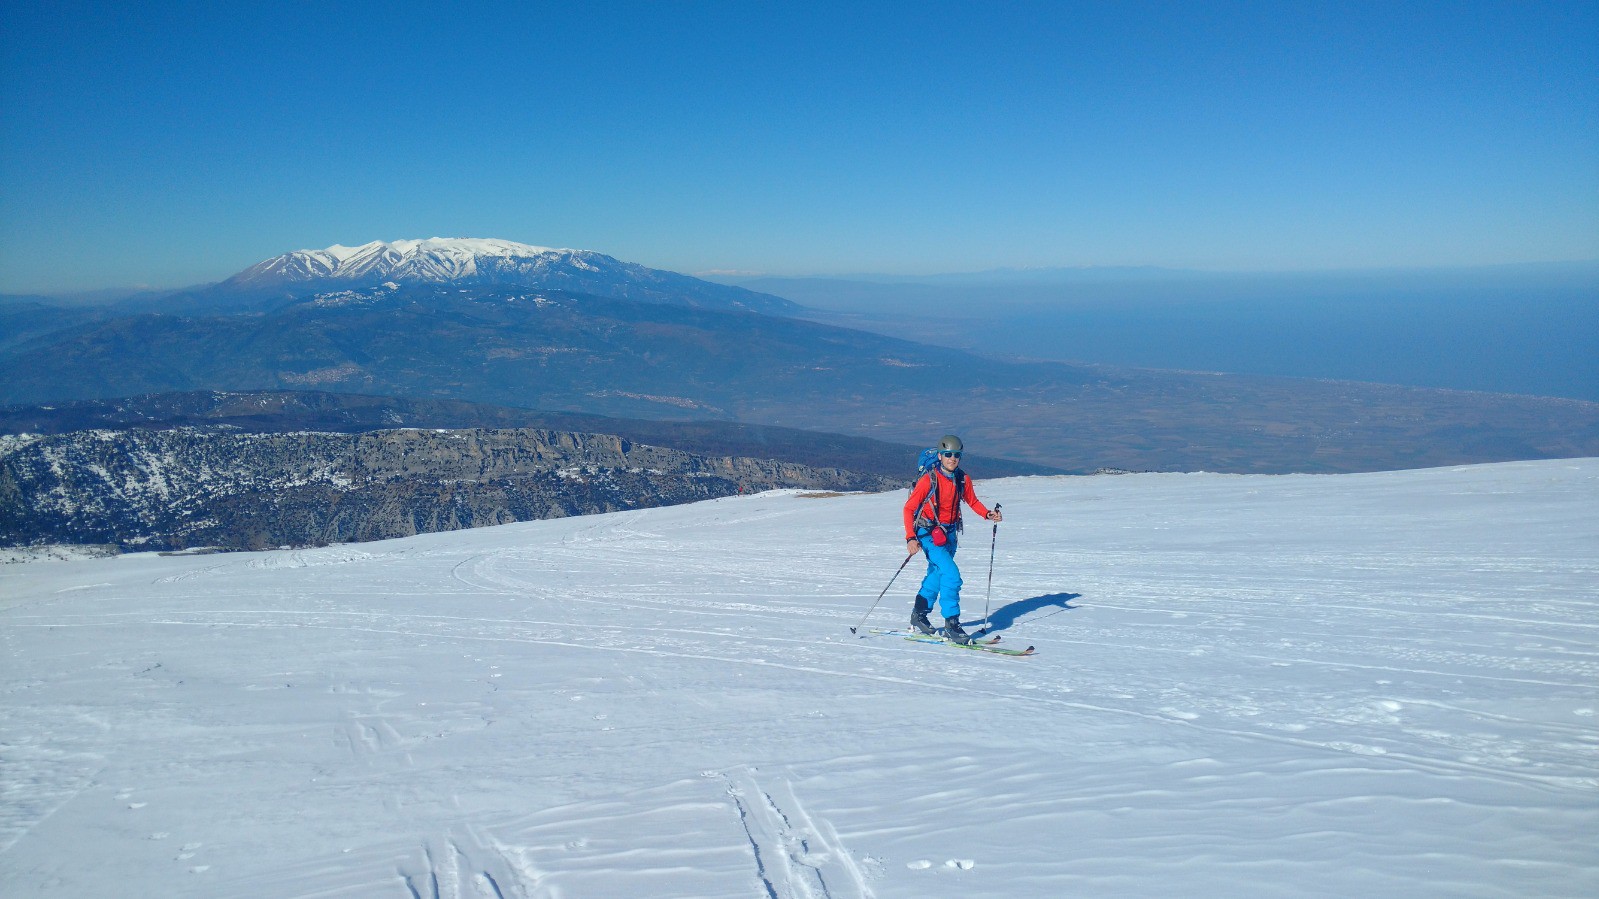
[933, 525]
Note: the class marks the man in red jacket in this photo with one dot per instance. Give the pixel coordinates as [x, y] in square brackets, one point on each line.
[933, 525]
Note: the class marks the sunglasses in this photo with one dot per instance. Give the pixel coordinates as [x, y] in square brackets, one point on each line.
[951, 454]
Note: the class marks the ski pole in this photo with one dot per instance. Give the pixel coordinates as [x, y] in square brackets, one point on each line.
[992, 543]
[880, 596]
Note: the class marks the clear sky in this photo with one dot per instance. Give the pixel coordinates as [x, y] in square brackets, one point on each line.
[174, 143]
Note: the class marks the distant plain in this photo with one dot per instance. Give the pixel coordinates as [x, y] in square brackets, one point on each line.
[1524, 329]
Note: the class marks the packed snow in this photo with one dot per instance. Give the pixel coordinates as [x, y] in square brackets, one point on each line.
[1376, 685]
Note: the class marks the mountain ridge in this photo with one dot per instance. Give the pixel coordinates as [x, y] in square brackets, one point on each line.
[487, 262]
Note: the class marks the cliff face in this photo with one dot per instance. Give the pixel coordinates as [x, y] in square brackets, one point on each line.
[207, 487]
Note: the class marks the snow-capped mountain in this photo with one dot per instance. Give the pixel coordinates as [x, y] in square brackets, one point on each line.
[485, 262]
[435, 259]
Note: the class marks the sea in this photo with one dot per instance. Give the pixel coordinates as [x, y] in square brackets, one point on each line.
[1503, 329]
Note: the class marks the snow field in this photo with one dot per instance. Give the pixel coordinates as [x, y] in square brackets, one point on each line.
[1374, 685]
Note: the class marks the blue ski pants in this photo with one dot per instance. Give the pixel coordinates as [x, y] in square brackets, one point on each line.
[942, 584]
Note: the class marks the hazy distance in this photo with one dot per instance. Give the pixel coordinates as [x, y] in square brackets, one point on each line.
[1527, 329]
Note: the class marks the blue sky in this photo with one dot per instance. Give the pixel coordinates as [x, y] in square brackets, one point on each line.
[175, 143]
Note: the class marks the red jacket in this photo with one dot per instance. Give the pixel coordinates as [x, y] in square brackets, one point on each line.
[948, 507]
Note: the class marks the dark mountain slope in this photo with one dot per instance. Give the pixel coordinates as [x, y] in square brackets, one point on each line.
[548, 350]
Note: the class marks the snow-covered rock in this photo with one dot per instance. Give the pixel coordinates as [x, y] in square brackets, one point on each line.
[189, 486]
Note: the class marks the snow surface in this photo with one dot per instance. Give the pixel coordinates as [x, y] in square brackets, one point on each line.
[1358, 685]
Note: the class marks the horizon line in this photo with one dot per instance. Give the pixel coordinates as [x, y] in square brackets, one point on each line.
[1085, 269]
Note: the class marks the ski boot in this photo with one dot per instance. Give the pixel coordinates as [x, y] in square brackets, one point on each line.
[919, 622]
[953, 632]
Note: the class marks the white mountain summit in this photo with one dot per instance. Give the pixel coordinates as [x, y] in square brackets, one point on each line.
[402, 261]
[413, 261]
[482, 262]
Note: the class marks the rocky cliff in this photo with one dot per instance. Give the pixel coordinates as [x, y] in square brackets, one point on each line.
[169, 489]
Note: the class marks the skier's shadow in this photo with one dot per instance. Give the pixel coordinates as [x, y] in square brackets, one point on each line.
[1006, 615]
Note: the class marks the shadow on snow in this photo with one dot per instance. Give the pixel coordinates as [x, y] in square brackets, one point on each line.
[1006, 615]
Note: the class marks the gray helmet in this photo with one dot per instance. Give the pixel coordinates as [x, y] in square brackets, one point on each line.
[949, 443]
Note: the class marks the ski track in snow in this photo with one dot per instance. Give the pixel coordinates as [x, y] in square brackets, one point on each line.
[1380, 684]
[795, 857]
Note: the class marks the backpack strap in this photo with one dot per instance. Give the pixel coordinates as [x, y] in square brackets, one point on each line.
[960, 490]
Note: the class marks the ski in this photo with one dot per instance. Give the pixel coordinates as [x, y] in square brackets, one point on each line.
[926, 637]
[981, 644]
[978, 645]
